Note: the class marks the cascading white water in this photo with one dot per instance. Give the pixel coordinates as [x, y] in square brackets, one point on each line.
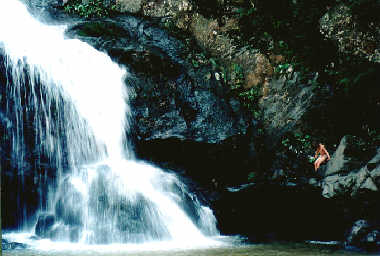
[107, 196]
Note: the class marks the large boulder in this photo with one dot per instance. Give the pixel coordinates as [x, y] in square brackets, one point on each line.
[346, 174]
[50, 226]
[363, 235]
[8, 245]
[44, 225]
[351, 180]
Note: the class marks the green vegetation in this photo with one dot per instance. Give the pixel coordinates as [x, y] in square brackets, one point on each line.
[251, 176]
[90, 9]
[250, 98]
[298, 143]
[234, 77]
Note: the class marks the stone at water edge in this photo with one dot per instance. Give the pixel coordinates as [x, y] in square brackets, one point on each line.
[6, 245]
[345, 174]
[363, 235]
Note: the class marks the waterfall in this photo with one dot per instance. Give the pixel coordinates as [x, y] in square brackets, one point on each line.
[72, 101]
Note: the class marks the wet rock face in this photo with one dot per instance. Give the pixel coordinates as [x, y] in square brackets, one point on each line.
[285, 105]
[186, 109]
[132, 6]
[44, 225]
[50, 11]
[347, 175]
[50, 226]
[173, 8]
[168, 97]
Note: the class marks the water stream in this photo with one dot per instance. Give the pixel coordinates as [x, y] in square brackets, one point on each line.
[75, 103]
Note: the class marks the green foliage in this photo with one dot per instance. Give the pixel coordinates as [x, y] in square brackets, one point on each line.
[213, 62]
[250, 98]
[281, 68]
[350, 73]
[238, 76]
[168, 23]
[198, 59]
[91, 9]
[299, 143]
[195, 63]
[234, 77]
[243, 12]
[251, 176]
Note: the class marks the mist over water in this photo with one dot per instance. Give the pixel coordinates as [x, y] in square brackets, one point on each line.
[102, 194]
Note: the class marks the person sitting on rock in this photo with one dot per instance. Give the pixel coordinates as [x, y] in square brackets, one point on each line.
[323, 155]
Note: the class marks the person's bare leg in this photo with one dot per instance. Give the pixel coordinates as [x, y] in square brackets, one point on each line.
[317, 164]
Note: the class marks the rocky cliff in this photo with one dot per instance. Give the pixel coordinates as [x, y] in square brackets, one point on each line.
[239, 114]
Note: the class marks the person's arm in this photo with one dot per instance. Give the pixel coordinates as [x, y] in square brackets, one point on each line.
[316, 154]
[328, 155]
